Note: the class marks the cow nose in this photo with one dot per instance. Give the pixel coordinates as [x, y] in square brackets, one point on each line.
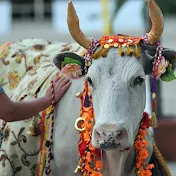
[110, 134]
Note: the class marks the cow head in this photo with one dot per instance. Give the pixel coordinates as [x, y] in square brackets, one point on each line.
[118, 84]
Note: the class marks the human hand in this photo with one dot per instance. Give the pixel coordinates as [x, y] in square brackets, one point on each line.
[61, 84]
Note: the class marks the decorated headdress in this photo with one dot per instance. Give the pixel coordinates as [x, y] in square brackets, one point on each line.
[123, 43]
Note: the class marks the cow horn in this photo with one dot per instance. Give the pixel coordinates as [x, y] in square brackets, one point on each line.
[73, 25]
[157, 22]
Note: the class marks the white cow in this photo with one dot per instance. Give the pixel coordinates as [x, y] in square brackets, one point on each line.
[118, 91]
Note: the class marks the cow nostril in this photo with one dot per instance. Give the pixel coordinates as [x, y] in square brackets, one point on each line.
[119, 133]
[97, 133]
[100, 133]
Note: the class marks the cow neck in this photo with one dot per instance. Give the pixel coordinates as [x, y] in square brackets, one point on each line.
[90, 158]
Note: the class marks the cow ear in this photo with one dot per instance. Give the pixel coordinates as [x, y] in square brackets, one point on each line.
[62, 59]
[148, 52]
[148, 62]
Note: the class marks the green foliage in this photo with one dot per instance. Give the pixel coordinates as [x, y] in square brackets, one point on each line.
[69, 60]
[168, 75]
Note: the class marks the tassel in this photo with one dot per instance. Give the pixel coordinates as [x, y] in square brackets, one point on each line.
[105, 51]
[129, 51]
[137, 51]
[153, 122]
[121, 52]
[97, 54]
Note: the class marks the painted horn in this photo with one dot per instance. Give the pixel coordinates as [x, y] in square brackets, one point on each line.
[157, 22]
[74, 28]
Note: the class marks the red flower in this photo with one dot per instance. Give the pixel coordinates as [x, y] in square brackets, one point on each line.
[82, 148]
[145, 120]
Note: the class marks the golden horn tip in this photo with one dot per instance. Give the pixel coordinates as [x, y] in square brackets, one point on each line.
[70, 3]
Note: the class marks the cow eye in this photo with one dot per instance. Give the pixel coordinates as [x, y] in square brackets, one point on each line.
[89, 80]
[138, 81]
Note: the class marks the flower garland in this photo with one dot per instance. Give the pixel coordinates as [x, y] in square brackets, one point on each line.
[142, 168]
[89, 162]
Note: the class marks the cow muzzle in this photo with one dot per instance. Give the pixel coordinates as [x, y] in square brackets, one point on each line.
[116, 138]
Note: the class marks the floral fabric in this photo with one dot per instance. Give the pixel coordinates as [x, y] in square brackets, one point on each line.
[26, 70]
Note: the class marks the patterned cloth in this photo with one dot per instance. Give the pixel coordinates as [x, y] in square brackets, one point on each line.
[26, 69]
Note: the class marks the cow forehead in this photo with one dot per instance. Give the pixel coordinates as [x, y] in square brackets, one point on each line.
[113, 63]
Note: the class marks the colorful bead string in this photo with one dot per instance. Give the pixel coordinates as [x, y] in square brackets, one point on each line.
[50, 142]
[155, 74]
[88, 59]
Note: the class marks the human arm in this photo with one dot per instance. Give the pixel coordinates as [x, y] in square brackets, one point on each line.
[14, 111]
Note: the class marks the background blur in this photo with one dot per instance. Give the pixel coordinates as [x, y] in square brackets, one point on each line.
[47, 19]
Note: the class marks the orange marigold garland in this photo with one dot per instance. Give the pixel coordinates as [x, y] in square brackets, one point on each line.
[142, 168]
[89, 162]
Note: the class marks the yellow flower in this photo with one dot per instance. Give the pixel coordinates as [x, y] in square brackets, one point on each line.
[14, 79]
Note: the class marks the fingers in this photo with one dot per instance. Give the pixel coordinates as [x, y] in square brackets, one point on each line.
[63, 81]
[66, 86]
[56, 79]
